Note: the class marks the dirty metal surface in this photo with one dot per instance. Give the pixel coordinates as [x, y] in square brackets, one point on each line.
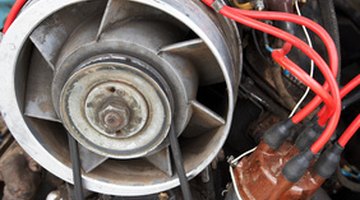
[264, 167]
[91, 91]
[20, 173]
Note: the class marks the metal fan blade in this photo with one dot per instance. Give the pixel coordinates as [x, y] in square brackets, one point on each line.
[162, 161]
[38, 100]
[202, 121]
[52, 33]
[200, 55]
[89, 160]
[118, 11]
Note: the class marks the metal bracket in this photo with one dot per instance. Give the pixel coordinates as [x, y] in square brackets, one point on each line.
[218, 5]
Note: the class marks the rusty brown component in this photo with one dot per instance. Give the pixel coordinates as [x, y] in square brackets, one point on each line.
[259, 127]
[283, 5]
[6, 138]
[259, 176]
[20, 174]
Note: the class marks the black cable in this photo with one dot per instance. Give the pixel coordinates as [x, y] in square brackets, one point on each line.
[351, 100]
[76, 167]
[179, 164]
[259, 49]
[331, 25]
[265, 86]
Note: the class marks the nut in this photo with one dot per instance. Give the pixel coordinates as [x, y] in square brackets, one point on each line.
[114, 117]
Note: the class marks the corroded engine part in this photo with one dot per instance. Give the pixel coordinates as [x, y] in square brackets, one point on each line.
[20, 174]
[115, 75]
[264, 167]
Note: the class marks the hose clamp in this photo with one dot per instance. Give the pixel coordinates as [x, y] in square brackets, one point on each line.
[218, 5]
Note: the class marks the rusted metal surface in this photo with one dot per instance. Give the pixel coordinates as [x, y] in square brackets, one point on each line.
[259, 176]
[5, 137]
[284, 5]
[258, 128]
[117, 109]
[116, 87]
[20, 173]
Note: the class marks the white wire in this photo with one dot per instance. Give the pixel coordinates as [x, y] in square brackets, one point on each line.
[312, 68]
[234, 163]
[236, 160]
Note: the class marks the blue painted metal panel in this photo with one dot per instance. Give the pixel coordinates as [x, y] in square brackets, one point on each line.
[5, 6]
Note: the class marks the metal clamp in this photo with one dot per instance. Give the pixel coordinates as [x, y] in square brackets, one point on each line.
[218, 5]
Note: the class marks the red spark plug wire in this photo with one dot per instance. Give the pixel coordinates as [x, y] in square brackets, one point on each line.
[282, 60]
[331, 47]
[320, 143]
[280, 57]
[316, 28]
[13, 13]
[349, 132]
[323, 35]
[355, 82]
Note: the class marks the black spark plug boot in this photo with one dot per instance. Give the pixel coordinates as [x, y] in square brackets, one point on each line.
[276, 135]
[308, 136]
[297, 166]
[329, 161]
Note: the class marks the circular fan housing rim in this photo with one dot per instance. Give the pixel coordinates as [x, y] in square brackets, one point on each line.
[11, 108]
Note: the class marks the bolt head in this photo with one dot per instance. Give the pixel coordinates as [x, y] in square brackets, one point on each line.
[114, 117]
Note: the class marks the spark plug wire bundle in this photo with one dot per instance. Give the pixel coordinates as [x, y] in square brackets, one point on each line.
[329, 93]
[250, 18]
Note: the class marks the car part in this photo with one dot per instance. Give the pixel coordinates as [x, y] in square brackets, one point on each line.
[116, 74]
[20, 174]
[101, 94]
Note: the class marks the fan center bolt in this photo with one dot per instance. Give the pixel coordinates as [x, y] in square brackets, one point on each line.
[115, 117]
[116, 109]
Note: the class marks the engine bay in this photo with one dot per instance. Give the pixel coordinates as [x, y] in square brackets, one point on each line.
[180, 99]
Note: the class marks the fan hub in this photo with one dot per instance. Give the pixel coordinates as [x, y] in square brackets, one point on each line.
[116, 109]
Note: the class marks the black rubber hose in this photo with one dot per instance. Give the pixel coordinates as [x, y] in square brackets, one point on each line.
[265, 86]
[179, 164]
[259, 49]
[76, 168]
[330, 23]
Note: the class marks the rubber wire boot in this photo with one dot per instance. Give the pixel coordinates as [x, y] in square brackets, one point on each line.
[276, 135]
